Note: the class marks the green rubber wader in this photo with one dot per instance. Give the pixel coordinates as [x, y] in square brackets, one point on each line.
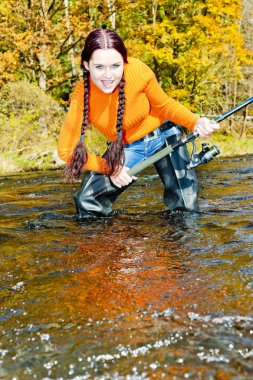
[97, 193]
[180, 185]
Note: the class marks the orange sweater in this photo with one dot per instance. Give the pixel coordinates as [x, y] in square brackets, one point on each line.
[146, 107]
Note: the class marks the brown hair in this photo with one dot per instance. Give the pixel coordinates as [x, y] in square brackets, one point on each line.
[99, 39]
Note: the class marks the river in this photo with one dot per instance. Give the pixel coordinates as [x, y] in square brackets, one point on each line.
[145, 294]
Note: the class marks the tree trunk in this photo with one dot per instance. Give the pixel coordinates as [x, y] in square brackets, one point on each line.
[154, 10]
[112, 13]
[41, 55]
[70, 41]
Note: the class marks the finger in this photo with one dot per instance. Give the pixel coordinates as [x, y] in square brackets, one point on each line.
[121, 180]
[203, 132]
[125, 176]
[125, 179]
[133, 177]
[207, 129]
[114, 181]
[214, 125]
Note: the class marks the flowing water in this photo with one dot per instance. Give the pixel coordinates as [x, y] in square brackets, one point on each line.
[145, 294]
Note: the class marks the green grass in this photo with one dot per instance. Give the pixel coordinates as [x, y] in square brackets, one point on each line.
[230, 145]
[43, 156]
[14, 163]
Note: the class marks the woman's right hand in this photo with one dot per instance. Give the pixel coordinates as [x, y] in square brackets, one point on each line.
[122, 178]
[205, 127]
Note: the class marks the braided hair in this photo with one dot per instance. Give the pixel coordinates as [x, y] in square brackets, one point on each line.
[79, 155]
[115, 154]
[99, 39]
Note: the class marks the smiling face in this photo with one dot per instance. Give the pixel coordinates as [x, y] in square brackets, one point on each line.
[106, 68]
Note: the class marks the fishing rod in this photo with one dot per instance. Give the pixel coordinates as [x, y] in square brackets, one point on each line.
[206, 155]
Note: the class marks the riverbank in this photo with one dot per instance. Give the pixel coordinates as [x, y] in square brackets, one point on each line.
[41, 159]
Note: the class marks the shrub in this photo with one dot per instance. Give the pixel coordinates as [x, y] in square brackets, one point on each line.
[30, 120]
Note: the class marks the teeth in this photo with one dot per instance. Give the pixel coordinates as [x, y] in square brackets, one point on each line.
[107, 83]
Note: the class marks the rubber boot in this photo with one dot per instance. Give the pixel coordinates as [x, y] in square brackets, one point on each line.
[96, 195]
[181, 186]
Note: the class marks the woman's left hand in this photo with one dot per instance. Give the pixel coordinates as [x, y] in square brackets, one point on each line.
[205, 127]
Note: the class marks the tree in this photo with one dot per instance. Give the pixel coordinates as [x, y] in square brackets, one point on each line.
[46, 34]
[195, 47]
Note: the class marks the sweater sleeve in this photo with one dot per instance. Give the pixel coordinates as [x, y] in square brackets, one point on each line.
[71, 131]
[165, 107]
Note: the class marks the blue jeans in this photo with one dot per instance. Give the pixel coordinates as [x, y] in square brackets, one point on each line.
[141, 149]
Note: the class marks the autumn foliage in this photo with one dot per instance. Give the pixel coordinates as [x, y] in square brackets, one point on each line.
[196, 48]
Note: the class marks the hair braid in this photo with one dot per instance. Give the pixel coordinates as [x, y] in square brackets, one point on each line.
[79, 155]
[121, 106]
[115, 156]
[85, 122]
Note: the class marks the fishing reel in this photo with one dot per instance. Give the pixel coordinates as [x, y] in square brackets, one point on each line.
[206, 155]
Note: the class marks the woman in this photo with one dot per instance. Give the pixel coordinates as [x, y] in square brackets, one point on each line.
[122, 98]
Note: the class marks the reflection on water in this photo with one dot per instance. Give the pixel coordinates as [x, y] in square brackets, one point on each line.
[144, 294]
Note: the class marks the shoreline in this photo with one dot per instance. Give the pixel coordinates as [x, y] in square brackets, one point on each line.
[45, 157]
[57, 164]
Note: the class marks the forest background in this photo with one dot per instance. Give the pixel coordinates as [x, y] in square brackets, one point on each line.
[200, 51]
